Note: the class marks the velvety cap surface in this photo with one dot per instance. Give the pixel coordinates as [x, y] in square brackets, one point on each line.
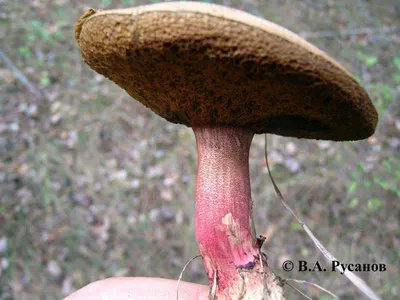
[202, 65]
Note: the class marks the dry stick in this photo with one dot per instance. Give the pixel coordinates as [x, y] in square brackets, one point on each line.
[251, 7]
[213, 290]
[349, 32]
[21, 77]
[310, 283]
[297, 290]
[180, 275]
[357, 281]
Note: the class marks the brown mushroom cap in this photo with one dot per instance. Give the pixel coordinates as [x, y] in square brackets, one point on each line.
[202, 64]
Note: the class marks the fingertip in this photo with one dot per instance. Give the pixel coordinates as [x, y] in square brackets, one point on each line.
[139, 288]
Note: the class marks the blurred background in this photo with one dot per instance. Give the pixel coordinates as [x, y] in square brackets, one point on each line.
[93, 184]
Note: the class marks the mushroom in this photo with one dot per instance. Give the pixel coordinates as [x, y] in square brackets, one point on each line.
[228, 75]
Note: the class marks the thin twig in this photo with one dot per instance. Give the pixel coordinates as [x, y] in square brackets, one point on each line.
[315, 5]
[313, 284]
[300, 292]
[349, 32]
[213, 290]
[242, 288]
[357, 281]
[251, 7]
[21, 77]
[180, 275]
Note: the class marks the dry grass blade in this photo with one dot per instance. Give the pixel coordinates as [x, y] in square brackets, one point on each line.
[21, 77]
[214, 286]
[313, 284]
[350, 32]
[181, 274]
[297, 290]
[357, 281]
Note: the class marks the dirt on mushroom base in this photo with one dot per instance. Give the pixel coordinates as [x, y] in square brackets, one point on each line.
[257, 281]
[60, 184]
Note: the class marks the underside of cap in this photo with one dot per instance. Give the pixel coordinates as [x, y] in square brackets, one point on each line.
[206, 65]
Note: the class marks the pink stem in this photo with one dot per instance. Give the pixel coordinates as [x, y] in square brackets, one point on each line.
[224, 227]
